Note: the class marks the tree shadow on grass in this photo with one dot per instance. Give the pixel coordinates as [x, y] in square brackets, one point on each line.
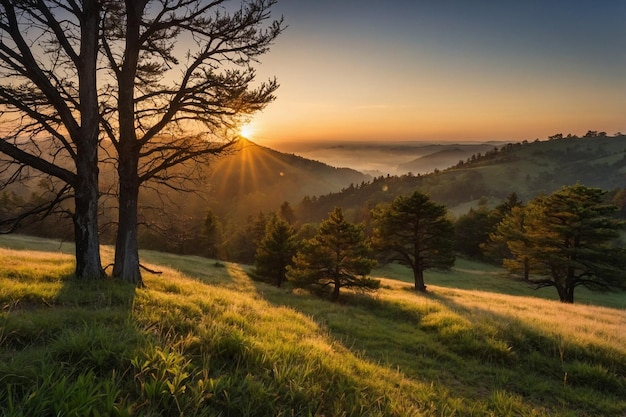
[64, 343]
[474, 352]
[551, 364]
[210, 271]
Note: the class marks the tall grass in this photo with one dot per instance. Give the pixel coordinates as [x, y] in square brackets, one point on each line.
[204, 339]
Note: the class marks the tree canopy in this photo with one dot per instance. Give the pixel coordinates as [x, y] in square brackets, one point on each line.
[167, 108]
[569, 239]
[276, 250]
[337, 256]
[415, 232]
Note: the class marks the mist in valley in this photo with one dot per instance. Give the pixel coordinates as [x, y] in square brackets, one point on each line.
[377, 158]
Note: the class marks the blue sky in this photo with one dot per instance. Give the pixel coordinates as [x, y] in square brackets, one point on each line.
[445, 70]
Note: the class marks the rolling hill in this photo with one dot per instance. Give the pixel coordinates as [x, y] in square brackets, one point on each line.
[527, 169]
[255, 178]
[203, 339]
[388, 157]
[447, 156]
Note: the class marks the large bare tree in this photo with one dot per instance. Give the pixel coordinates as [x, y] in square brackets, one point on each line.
[49, 114]
[181, 73]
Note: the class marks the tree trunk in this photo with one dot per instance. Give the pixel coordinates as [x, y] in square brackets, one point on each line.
[419, 280]
[569, 291]
[565, 287]
[88, 263]
[569, 297]
[565, 295]
[282, 276]
[126, 266]
[335, 295]
[526, 269]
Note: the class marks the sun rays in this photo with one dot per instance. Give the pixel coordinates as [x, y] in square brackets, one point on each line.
[250, 171]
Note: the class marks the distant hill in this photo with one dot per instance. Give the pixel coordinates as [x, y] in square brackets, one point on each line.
[255, 178]
[388, 157]
[527, 169]
[446, 156]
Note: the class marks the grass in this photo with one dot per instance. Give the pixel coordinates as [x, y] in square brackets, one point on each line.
[472, 275]
[204, 339]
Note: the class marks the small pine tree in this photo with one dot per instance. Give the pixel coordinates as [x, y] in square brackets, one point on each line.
[211, 234]
[337, 256]
[241, 241]
[502, 223]
[276, 251]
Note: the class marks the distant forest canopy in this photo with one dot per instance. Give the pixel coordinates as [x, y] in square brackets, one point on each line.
[236, 191]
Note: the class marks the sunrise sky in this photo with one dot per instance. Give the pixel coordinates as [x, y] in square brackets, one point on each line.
[445, 70]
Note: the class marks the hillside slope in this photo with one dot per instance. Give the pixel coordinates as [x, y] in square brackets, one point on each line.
[527, 169]
[442, 157]
[203, 339]
[255, 178]
[385, 157]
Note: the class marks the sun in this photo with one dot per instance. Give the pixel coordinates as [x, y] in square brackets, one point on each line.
[246, 131]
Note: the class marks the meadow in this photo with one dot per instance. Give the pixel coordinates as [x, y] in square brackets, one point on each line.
[204, 339]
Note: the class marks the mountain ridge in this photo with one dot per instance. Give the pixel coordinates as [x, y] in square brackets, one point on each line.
[258, 178]
[526, 168]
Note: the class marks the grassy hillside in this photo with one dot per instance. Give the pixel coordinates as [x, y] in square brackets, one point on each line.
[203, 339]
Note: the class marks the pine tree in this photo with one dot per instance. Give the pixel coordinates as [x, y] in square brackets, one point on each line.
[287, 213]
[337, 256]
[570, 240]
[415, 232]
[503, 222]
[509, 238]
[211, 234]
[276, 251]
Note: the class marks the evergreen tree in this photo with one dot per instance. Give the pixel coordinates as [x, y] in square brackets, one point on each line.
[211, 234]
[504, 208]
[287, 213]
[415, 232]
[337, 256]
[495, 248]
[509, 237]
[471, 230]
[570, 241]
[243, 240]
[276, 250]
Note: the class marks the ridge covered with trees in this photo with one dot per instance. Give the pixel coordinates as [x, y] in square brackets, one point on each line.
[525, 168]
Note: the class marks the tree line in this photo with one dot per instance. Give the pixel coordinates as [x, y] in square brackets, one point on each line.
[565, 240]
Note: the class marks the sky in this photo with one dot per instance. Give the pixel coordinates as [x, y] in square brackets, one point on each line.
[444, 70]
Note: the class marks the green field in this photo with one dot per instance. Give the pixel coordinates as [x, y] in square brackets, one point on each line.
[204, 339]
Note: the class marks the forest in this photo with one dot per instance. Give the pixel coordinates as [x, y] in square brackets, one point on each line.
[487, 185]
